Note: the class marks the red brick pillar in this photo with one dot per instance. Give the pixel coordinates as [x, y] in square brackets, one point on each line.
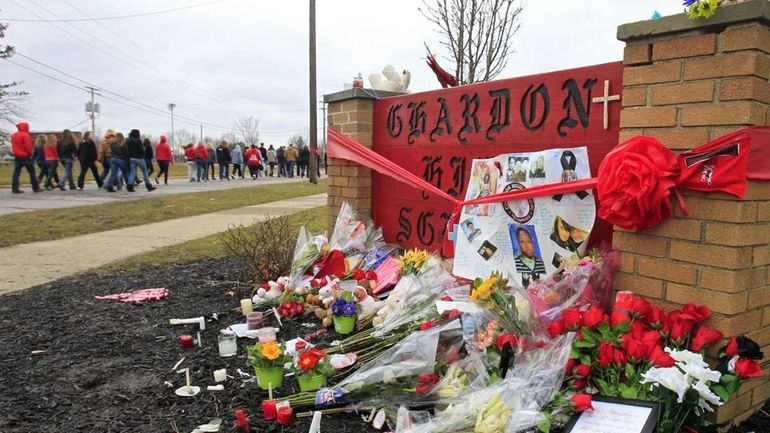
[686, 82]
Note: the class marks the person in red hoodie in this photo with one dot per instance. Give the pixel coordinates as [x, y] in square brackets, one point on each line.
[201, 162]
[22, 149]
[189, 156]
[163, 156]
[51, 154]
[253, 159]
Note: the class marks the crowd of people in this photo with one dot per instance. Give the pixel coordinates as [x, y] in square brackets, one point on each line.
[123, 158]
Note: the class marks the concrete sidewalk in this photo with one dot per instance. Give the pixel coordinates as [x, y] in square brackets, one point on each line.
[29, 265]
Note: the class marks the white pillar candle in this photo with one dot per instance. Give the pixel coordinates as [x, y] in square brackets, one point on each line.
[220, 375]
[246, 306]
[187, 379]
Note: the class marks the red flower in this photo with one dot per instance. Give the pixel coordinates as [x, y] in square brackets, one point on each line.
[315, 283]
[699, 313]
[582, 402]
[423, 388]
[504, 339]
[636, 329]
[640, 308]
[307, 361]
[634, 348]
[579, 384]
[593, 317]
[572, 318]
[732, 347]
[371, 276]
[680, 329]
[431, 378]
[660, 358]
[617, 317]
[619, 358]
[555, 328]
[746, 368]
[635, 183]
[582, 371]
[358, 274]
[320, 354]
[571, 363]
[427, 325]
[705, 337]
[656, 317]
[605, 356]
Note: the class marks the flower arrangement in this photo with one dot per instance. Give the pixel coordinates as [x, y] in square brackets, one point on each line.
[413, 260]
[343, 308]
[267, 360]
[291, 309]
[494, 295]
[697, 9]
[312, 368]
[344, 313]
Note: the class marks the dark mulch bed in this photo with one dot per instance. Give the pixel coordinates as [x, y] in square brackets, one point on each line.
[105, 362]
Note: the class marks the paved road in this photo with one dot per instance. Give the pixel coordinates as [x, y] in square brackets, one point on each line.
[29, 265]
[11, 203]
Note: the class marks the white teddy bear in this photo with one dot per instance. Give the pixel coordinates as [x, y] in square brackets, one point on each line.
[392, 81]
[367, 305]
[273, 290]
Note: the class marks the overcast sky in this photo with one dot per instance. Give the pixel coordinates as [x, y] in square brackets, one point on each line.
[249, 57]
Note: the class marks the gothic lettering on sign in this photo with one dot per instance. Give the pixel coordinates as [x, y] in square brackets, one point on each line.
[458, 176]
[532, 118]
[432, 173]
[443, 117]
[445, 216]
[416, 120]
[470, 114]
[500, 112]
[575, 98]
[425, 231]
[406, 227]
[395, 124]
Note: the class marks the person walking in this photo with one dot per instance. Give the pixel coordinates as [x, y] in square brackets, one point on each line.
[22, 149]
[212, 154]
[164, 158]
[119, 161]
[263, 154]
[271, 159]
[201, 159]
[39, 157]
[223, 159]
[253, 160]
[104, 157]
[291, 159]
[236, 157]
[67, 151]
[87, 157]
[192, 166]
[304, 161]
[280, 156]
[51, 154]
[136, 159]
[148, 156]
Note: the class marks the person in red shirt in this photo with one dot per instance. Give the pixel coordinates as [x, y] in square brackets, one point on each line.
[189, 156]
[22, 149]
[164, 158]
[201, 162]
[51, 154]
[253, 159]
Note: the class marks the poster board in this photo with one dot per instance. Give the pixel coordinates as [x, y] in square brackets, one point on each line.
[616, 415]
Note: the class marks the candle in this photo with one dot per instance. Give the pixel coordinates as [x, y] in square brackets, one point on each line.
[284, 415]
[266, 335]
[299, 346]
[254, 320]
[199, 339]
[187, 341]
[268, 409]
[246, 306]
[228, 345]
[242, 421]
[187, 379]
[220, 375]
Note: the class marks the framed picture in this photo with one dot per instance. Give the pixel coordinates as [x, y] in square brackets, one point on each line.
[617, 415]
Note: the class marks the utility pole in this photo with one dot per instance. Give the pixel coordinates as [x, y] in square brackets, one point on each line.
[201, 133]
[313, 110]
[92, 109]
[171, 107]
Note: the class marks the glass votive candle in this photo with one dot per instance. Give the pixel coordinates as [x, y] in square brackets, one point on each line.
[254, 320]
[187, 341]
[268, 409]
[228, 345]
[266, 335]
[284, 415]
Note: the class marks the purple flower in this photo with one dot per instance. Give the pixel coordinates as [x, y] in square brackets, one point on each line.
[349, 309]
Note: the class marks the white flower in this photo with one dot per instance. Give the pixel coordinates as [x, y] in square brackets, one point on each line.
[670, 378]
[706, 394]
[689, 358]
[700, 373]
[731, 364]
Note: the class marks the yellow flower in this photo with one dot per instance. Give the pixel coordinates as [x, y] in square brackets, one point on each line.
[414, 258]
[484, 290]
[271, 351]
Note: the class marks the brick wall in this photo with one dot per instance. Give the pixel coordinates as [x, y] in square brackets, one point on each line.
[684, 84]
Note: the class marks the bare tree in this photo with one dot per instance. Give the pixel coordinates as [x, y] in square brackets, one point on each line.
[10, 100]
[230, 136]
[297, 140]
[477, 33]
[247, 128]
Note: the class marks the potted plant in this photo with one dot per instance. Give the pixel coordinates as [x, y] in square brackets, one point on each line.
[312, 368]
[344, 312]
[268, 360]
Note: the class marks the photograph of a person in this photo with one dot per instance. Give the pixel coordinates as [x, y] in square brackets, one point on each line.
[487, 250]
[566, 235]
[537, 170]
[517, 169]
[526, 250]
[471, 228]
[483, 182]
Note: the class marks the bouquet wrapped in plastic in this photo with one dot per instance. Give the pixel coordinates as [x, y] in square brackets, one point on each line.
[350, 235]
[306, 252]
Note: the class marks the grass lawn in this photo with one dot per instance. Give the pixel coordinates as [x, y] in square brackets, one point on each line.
[210, 246]
[50, 224]
[6, 170]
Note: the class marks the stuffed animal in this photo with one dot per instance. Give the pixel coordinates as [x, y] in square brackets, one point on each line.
[329, 292]
[392, 81]
[270, 290]
[396, 300]
[367, 305]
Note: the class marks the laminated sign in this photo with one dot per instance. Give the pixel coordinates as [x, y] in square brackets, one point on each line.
[528, 239]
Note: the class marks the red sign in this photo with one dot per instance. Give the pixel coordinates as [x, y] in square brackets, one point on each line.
[437, 134]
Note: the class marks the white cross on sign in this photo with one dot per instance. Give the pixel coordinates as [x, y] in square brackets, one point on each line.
[606, 99]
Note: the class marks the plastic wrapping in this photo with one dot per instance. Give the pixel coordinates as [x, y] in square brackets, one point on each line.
[306, 252]
[350, 235]
[559, 292]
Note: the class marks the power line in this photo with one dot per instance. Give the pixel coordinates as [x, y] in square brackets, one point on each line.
[119, 17]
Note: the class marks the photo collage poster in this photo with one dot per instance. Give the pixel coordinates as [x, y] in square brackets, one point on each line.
[527, 239]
